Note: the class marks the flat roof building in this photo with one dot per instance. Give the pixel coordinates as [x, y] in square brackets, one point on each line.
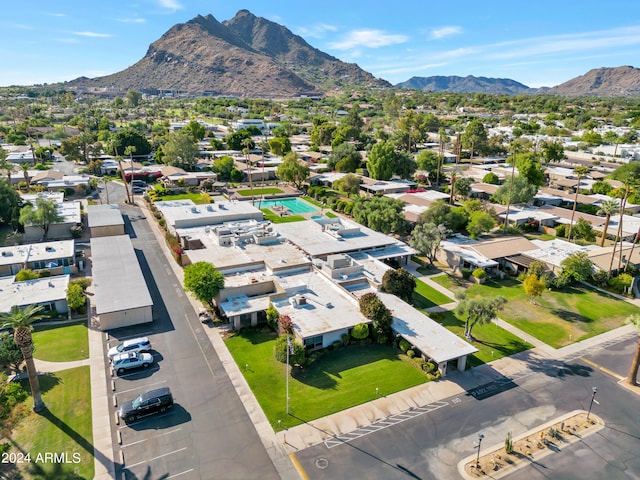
[121, 295]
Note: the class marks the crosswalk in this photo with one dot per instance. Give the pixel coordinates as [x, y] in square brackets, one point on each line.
[341, 439]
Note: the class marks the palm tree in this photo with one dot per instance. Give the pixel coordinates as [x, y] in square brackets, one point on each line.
[579, 171]
[5, 166]
[25, 173]
[20, 319]
[635, 364]
[248, 146]
[515, 149]
[607, 208]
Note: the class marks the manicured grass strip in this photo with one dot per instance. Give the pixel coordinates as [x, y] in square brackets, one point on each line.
[331, 215]
[259, 191]
[61, 343]
[491, 341]
[338, 380]
[197, 198]
[64, 428]
[425, 296]
[558, 317]
[273, 218]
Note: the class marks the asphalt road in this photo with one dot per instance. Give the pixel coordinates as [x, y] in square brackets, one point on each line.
[208, 433]
[429, 445]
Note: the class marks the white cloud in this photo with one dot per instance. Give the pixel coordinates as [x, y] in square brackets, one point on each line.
[58, 14]
[132, 20]
[316, 31]
[442, 32]
[93, 34]
[171, 4]
[369, 39]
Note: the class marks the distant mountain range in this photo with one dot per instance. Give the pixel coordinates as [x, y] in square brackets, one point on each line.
[599, 82]
[254, 57]
[244, 56]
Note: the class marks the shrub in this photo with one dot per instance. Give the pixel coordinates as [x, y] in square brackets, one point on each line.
[508, 444]
[465, 272]
[360, 331]
[479, 273]
[404, 346]
[346, 339]
[44, 273]
[620, 283]
[337, 344]
[411, 353]
[26, 274]
[285, 324]
[281, 350]
[429, 367]
[76, 231]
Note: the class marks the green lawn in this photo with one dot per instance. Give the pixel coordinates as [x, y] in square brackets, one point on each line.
[259, 191]
[197, 198]
[61, 343]
[425, 296]
[491, 341]
[557, 318]
[64, 428]
[331, 215]
[338, 380]
[274, 218]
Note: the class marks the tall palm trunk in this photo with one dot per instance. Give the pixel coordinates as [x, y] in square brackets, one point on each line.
[623, 203]
[633, 246]
[635, 365]
[606, 226]
[24, 341]
[575, 205]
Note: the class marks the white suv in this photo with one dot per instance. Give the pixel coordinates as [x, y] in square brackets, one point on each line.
[127, 361]
[141, 344]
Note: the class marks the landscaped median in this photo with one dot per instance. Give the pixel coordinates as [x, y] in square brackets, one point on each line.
[495, 462]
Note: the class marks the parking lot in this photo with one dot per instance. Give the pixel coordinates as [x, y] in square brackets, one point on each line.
[208, 430]
[157, 443]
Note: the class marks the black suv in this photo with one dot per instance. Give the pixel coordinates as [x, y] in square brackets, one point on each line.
[155, 401]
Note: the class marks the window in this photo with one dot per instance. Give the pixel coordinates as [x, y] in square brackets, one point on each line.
[313, 343]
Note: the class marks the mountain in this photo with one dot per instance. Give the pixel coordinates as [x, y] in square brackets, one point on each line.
[602, 82]
[245, 56]
[468, 84]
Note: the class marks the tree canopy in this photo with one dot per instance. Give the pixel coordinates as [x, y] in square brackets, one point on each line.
[382, 214]
[128, 137]
[43, 215]
[478, 310]
[399, 283]
[181, 150]
[381, 161]
[426, 238]
[293, 170]
[204, 281]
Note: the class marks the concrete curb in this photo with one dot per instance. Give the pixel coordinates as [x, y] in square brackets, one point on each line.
[503, 472]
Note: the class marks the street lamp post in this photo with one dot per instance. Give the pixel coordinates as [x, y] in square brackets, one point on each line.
[593, 397]
[480, 437]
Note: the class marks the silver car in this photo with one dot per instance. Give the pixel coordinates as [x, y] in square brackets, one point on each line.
[126, 361]
[140, 344]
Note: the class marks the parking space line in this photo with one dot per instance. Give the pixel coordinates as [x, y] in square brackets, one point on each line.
[181, 473]
[199, 346]
[156, 458]
[150, 438]
[149, 369]
[143, 419]
[141, 387]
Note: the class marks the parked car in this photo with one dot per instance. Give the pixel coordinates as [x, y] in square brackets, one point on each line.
[138, 190]
[154, 401]
[130, 360]
[139, 183]
[140, 344]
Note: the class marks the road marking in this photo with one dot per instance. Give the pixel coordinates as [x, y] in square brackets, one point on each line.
[199, 345]
[142, 419]
[156, 458]
[181, 473]
[603, 369]
[138, 370]
[140, 387]
[298, 466]
[341, 439]
[150, 438]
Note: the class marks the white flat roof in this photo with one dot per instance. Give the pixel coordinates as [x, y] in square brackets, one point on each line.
[40, 290]
[328, 308]
[427, 335]
[104, 215]
[36, 252]
[311, 238]
[185, 213]
[117, 277]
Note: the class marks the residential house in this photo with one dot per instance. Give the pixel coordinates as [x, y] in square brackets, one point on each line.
[56, 257]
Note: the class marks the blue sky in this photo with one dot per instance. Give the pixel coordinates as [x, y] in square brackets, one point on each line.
[538, 43]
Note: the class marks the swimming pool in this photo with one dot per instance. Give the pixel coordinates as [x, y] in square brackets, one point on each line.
[294, 205]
